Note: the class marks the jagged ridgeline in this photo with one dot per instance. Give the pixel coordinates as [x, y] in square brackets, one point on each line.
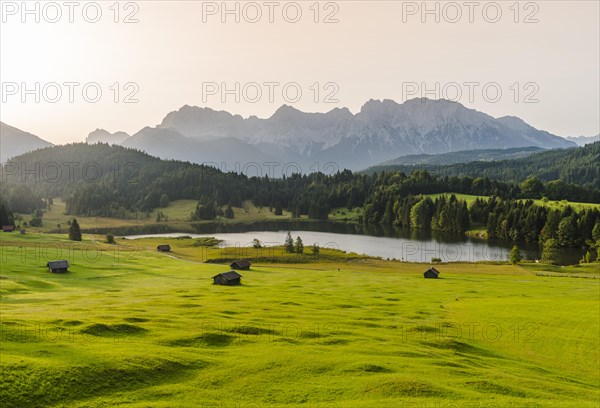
[571, 166]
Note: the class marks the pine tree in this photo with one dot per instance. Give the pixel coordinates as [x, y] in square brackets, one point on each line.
[315, 249]
[568, 233]
[164, 200]
[515, 255]
[74, 231]
[299, 246]
[229, 212]
[420, 214]
[6, 216]
[465, 222]
[296, 211]
[550, 251]
[289, 243]
[278, 209]
[388, 215]
[596, 232]
[551, 227]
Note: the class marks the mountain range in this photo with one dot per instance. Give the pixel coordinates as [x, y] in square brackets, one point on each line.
[101, 135]
[583, 140]
[14, 142]
[379, 132]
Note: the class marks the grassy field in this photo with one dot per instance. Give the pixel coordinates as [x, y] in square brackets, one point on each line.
[178, 213]
[344, 214]
[132, 327]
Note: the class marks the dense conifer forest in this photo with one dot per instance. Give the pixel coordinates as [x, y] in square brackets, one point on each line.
[112, 181]
[579, 166]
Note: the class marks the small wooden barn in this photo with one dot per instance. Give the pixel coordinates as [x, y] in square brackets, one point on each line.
[431, 273]
[58, 266]
[242, 265]
[8, 228]
[230, 278]
[164, 248]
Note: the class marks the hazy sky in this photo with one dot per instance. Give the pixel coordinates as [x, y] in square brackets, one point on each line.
[542, 56]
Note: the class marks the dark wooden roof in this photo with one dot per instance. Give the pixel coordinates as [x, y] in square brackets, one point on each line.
[57, 264]
[231, 275]
[241, 263]
[164, 246]
[433, 270]
[6, 228]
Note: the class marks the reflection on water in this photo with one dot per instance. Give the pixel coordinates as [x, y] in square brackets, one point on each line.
[386, 242]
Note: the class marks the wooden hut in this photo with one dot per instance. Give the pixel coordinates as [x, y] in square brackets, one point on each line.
[431, 273]
[58, 266]
[8, 228]
[230, 278]
[242, 265]
[164, 248]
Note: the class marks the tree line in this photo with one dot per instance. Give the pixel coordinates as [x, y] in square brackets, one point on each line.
[119, 182]
[571, 174]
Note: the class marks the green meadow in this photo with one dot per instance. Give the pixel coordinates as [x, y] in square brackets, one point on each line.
[176, 215]
[561, 205]
[129, 326]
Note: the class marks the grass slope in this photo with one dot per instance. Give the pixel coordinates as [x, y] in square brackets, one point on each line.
[178, 213]
[132, 327]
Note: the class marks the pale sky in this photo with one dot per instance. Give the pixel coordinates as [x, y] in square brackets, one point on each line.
[547, 71]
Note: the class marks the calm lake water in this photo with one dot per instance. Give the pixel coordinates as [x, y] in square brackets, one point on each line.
[401, 244]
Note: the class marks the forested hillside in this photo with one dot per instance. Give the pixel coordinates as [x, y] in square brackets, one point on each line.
[464, 156]
[102, 180]
[571, 166]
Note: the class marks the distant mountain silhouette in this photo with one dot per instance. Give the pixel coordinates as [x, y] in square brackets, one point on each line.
[583, 140]
[14, 142]
[103, 136]
[381, 131]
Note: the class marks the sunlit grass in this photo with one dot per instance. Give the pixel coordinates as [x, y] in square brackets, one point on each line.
[129, 326]
[177, 214]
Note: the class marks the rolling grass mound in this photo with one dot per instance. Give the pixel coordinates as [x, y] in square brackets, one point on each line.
[127, 331]
[113, 330]
[205, 340]
[405, 387]
[33, 385]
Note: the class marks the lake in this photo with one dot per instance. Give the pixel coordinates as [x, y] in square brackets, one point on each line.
[401, 244]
